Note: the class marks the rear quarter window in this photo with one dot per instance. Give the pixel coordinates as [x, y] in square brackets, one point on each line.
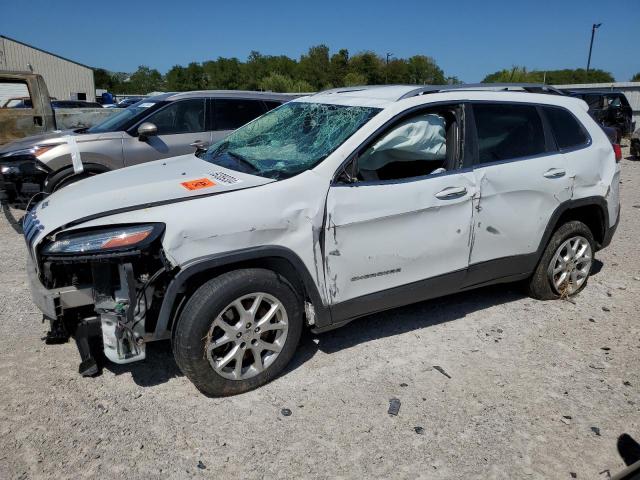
[567, 130]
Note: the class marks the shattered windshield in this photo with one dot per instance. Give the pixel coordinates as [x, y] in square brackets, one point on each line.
[290, 139]
[118, 121]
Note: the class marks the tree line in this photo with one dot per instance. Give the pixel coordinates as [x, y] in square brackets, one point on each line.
[318, 70]
[315, 70]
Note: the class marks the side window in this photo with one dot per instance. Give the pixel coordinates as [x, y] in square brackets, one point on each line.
[231, 114]
[508, 131]
[271, 104]
[14, 94]
[423, 144]
[566, 129]
[183, 116]
[594, 101]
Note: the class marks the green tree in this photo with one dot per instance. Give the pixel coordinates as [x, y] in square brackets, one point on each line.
[353, 79]
[397, 71]
[223, 73]
[636, 77]
[515, 74]
[565, 76]
[369, 65]
[314, 67]
[424, 70]
[339, 67]
[144, 80]
[104, 79]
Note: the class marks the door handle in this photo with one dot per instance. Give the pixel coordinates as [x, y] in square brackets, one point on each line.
[451, 193]
[555, 173]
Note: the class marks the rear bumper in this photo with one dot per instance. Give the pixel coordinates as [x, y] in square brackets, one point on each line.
[608, 234]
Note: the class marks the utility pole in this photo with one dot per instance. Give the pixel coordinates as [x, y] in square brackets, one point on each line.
[593, 33]
[386, 70]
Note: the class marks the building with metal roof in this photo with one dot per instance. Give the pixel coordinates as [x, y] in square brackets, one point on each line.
[65, 79]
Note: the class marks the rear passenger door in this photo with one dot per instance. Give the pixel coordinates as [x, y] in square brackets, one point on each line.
[232, 113]
[522, 179]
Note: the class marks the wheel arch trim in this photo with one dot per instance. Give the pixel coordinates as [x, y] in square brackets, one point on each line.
[237, 257]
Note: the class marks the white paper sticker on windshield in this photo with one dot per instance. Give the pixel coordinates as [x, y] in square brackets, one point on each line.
[146, 105]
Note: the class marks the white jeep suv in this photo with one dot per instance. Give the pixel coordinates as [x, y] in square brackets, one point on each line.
[328, 208]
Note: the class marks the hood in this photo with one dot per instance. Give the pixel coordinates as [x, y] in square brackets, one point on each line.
[141, 186]
[56, 136]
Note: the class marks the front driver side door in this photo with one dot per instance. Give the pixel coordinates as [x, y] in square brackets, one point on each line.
[180, 124]
[411, 232]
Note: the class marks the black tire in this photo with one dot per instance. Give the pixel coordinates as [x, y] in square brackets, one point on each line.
[539, 286]
[193, 327]
[62, 179]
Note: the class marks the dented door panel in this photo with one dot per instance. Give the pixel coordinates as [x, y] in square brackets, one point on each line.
[514, 204]
[380, 236]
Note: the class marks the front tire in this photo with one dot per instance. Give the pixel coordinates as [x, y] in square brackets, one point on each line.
[563, 270]
[238, 331]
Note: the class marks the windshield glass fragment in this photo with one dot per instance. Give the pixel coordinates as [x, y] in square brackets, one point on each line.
[290, 139]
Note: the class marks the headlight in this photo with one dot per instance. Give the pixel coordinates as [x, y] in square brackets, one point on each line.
[9, 170]
[35, 151]
[121, 238]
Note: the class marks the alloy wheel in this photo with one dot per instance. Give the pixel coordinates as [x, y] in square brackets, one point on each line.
[247, 336]
[571, 265]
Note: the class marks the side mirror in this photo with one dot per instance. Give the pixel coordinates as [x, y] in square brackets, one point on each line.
[146, 130]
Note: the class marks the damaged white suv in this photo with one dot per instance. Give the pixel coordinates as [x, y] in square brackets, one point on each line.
[328, 208]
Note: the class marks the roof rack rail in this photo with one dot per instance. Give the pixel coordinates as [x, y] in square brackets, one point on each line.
[527, 87]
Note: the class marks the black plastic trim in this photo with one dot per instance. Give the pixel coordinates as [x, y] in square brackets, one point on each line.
[201, 264]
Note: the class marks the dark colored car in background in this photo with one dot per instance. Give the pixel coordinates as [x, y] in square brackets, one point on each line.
[609, 108]
[74, 104]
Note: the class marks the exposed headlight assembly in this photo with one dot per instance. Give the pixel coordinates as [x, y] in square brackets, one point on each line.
[124, 237]
[34, 151]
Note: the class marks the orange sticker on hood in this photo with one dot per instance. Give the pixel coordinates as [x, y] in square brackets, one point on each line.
[198, 184]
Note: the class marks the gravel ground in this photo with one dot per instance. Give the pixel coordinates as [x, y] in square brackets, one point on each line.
[537, 390]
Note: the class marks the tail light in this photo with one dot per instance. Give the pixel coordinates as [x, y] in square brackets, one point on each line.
[618, 151]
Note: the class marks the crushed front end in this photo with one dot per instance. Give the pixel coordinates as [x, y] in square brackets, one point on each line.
[103, 287]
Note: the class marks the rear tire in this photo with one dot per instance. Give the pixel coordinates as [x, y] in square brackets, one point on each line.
[238, 331]
[559, 257]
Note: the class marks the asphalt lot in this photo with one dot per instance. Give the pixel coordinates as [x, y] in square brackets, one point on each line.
[536, 390]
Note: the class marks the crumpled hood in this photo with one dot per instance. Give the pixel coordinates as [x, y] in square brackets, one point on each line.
[140, 186]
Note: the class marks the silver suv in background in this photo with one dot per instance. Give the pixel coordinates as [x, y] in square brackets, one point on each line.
[153, 128]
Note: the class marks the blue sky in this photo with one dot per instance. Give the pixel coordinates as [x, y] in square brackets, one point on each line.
[467, 38]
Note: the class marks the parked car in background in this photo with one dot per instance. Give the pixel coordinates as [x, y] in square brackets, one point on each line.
[609, 108]
[326, 209]
[25, 108]
[158, 127]
[74, 104]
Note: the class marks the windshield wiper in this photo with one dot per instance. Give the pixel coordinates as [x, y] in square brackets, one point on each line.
[240, 159]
